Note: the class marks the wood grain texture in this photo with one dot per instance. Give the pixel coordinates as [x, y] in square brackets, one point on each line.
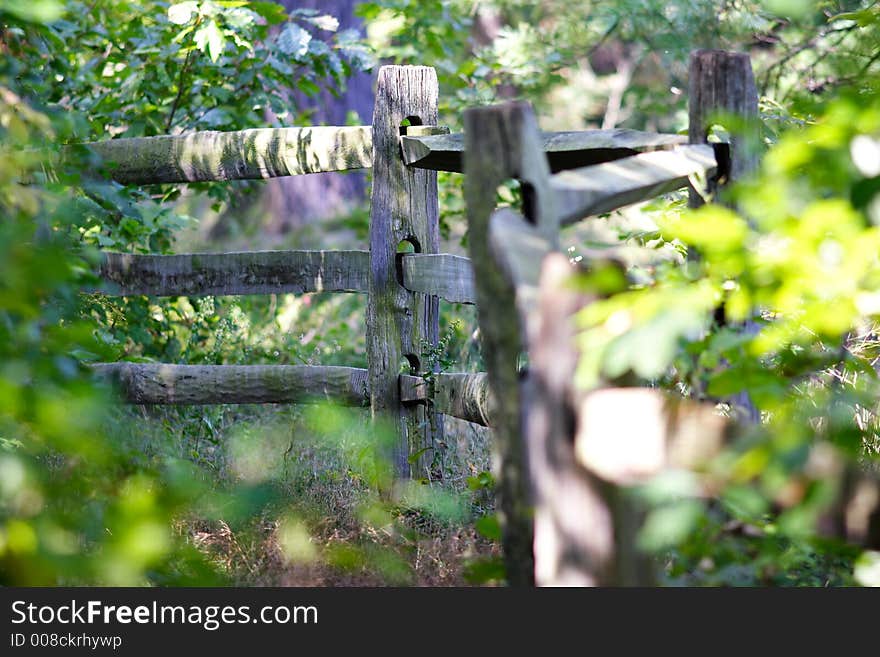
[605, 187]
[448, 276]
[253, 272]
[565, 150]
[503, 142]
[151, 383]
[518, 249]
[465, 396]
[404, 208]
[238, 155]
[413, 388]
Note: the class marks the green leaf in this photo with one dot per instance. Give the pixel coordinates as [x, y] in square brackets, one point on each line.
[867, 569]
[489, 527]
[711, 228]
[744, 502]
[747, 375]
[294, 41]
[481, 481]
[668, 487]
[210, 38]
[325, 22]
[484, 571]
[240, 18]
[863, 17]
[727, 382]
[668, 526]
[273, 12]
[790, 8]
[415, 456]
[308, 87]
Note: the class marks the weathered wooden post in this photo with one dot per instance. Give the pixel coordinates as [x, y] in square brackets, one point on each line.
[722, 83]
[404, 210]
[719, 83]
[502, 143]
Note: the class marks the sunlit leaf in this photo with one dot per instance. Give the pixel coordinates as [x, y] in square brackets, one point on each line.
[294, 40]
[181, 13]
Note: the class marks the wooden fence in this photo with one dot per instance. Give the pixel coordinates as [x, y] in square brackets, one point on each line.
[567, 455]
[403, 289]
[563, 519]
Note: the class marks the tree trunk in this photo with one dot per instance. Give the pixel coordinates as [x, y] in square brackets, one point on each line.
[295, 201]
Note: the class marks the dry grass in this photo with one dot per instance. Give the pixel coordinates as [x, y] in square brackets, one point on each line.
[325, 525]
[367, 557]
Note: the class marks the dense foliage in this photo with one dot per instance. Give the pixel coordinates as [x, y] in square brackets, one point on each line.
[81, 502]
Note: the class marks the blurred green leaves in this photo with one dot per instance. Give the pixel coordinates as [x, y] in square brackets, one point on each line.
[81, 500]
[798, 261]
[33, 11]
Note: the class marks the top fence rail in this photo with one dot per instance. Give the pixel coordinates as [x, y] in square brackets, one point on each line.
[239, 155]
[264, 153]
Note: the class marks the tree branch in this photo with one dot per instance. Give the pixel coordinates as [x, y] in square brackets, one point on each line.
[180, 86]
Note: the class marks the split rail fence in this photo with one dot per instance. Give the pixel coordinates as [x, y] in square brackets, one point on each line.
[567, 456]
[562, 454]
[403, 289]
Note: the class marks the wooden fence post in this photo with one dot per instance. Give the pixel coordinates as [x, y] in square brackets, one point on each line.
[501, 143]
[722, 82]
[404, 209]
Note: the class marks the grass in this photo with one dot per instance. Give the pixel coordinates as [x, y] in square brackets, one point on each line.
[312, 515]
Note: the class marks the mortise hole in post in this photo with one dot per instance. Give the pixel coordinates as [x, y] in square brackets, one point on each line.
[520, 196]
[409, 364]
[407, 245]
[722, 157]
[529, 202]
[407, 122]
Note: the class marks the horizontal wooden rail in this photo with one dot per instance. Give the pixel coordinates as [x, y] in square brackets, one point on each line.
[465, 396]
[565, 150]
[237, 155]
[448, 276]
[461, 395]
[152, 383]
[257, 272]
[605, 187]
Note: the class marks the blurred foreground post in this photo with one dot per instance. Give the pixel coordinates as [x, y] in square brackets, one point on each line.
[501, 143]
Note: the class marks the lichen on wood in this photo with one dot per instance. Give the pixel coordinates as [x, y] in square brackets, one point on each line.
[404, 208]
